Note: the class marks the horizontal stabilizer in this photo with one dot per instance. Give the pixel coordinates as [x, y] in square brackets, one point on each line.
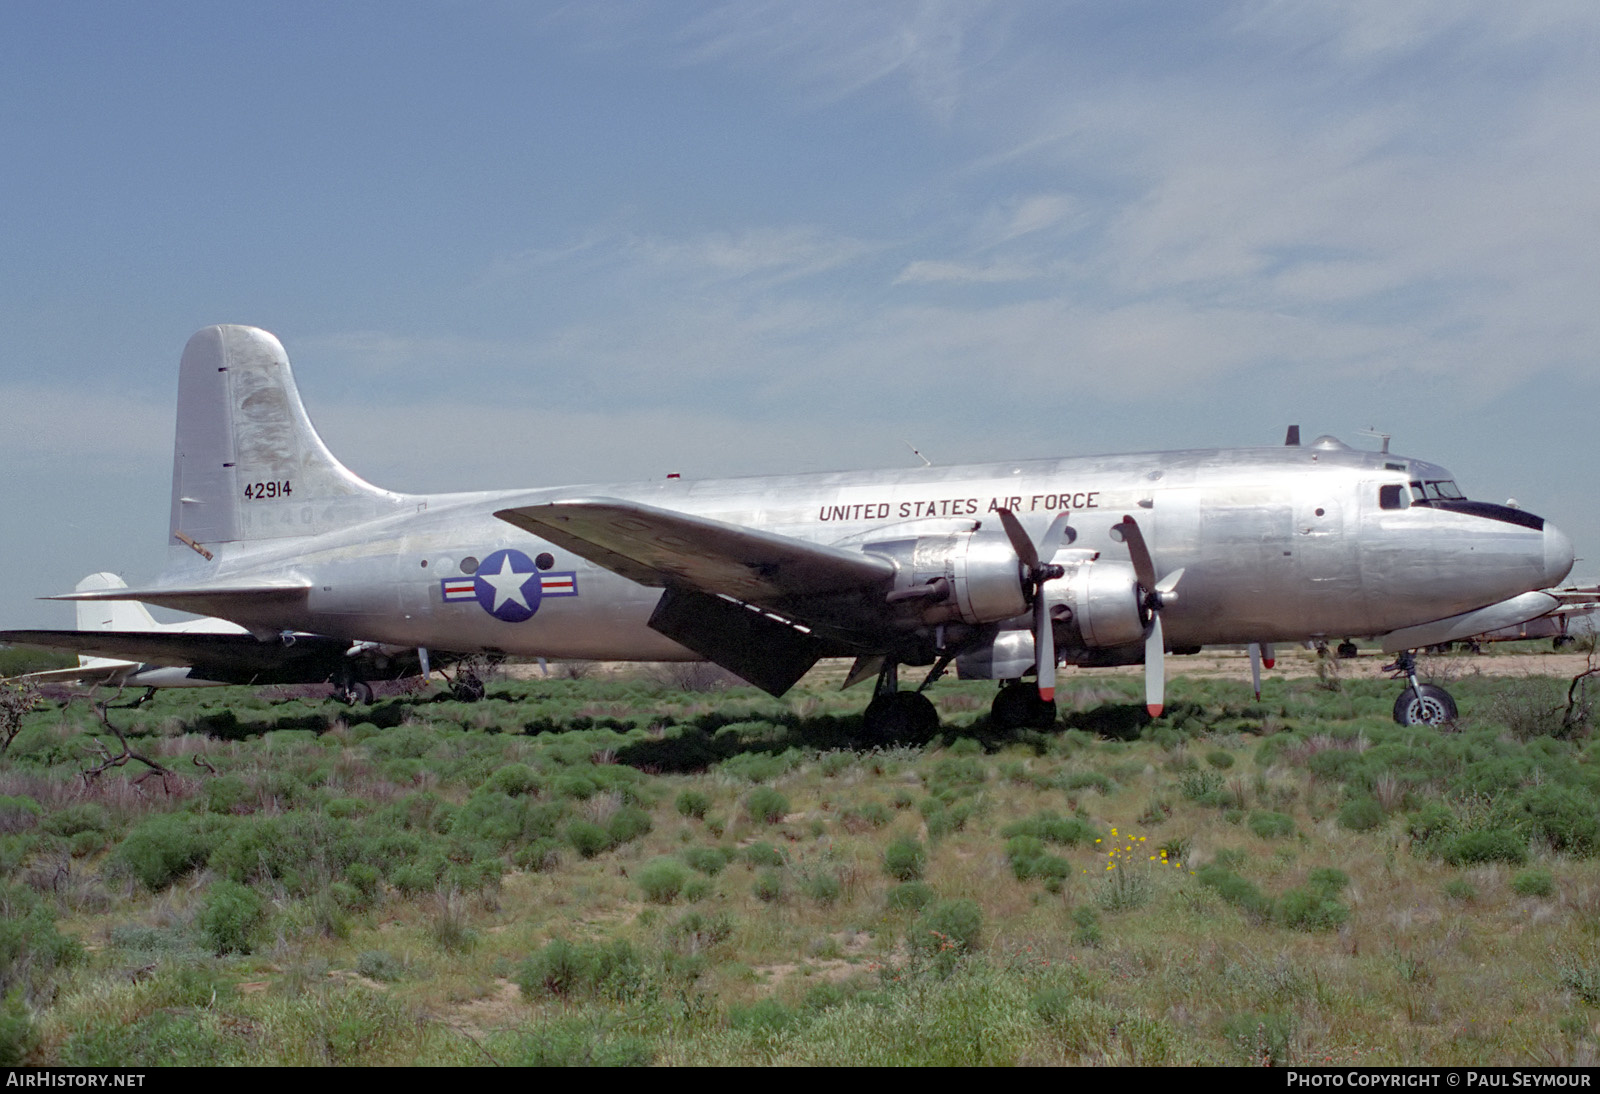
[662, 547]
[227, 601]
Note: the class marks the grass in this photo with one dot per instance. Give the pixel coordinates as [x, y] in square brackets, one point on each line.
[615, 871]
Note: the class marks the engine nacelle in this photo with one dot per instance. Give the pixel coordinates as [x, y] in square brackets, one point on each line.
[1099, 604]
[966, 577]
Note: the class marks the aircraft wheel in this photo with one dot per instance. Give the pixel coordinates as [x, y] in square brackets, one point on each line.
[361, 693]
[1347, 650]
[1018, 705]
[467, 688]
[1562, 641]
[901, 716]
[1426, 705]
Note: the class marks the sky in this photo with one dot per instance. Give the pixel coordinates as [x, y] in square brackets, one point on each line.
[518, 244]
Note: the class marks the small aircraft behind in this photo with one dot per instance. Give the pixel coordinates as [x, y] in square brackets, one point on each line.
[1003, 570]
[204, 652]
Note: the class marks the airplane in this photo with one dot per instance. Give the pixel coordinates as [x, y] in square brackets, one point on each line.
[1004, 570]
[204, 652]
[1576, 615]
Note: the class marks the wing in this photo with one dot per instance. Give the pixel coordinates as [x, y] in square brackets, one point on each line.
[762, 605]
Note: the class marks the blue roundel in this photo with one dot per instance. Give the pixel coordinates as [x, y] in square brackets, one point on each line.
[508, 586]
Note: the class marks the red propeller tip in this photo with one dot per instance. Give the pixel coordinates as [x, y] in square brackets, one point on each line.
[1269, 661]
[1047, 694]
[1155, 709]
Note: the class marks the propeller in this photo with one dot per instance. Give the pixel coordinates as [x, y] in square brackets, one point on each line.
[1035, 561]
[1260, 654]
[1156, 595]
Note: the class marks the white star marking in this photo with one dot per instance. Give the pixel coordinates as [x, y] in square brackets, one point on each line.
[507, 585]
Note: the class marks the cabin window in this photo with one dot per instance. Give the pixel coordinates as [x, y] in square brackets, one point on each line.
[1391, 496]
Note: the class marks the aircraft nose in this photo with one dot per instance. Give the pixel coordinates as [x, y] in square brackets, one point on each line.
[1557, 555]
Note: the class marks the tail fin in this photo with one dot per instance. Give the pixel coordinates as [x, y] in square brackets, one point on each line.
[111, 615]
[247, 463]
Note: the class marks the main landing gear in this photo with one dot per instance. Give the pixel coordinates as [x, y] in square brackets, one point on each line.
[895, 715]
[1420, 704]
[1017, 706]
[352, 692]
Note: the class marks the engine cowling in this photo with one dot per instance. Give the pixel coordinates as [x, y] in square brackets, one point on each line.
[1099, 604]
[966, 577]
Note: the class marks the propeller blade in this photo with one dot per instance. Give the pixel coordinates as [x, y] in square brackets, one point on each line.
[1266, 655]
[1167, 586]
[1044, 648]
[1155, 669]
[1020, 542]
[1255, 669]
[1143, 567]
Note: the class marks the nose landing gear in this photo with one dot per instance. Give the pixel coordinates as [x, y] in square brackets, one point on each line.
[1420, 704]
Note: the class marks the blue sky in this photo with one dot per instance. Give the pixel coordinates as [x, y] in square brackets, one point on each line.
[519, 244]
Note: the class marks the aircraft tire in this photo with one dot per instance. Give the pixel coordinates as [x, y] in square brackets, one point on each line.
[907, 716]
[1018, 706]
[1347, 650]
[1426, 705]
[1562, 641]
[361, 693]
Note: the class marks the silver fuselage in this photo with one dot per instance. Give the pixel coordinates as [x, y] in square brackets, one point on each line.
[1276, 544]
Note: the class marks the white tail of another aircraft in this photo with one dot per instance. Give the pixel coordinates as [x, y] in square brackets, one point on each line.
[247, 463]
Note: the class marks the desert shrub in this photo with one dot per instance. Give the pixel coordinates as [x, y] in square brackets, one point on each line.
[1536, 882]
[540, 855]
[18, 813]
[864, 816]
[1086, 780]
[824, 886]
[161, 848]
[947, 931]
[693, 803]
[767, 805]
[1203, 787]
[514, 779]
[16, 1030]
[614, 970]
[1561, 816]
[662, 880]
[1310, 909]
[765, 1016]
[230, 916]
[31, 948]
[1219, 759]
[1360, 814]
[78, 818]
[1053, 828]
[573, 1043]
[587, 838]
[708, 860]
[1261, 1037]
[905, 859]
[628, 823]
[763, 854]
[1269, 825]
[1461, 890]
[381, 965]
[911, 896]
[759, 767]
[1485, 845]
[1235, 890]
[695, 932]
[768, 886]
[1086, 923]
[159, 1039]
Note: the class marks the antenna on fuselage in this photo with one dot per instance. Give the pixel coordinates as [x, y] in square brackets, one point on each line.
[1372, 431]
[1291, 439]
[925, 461]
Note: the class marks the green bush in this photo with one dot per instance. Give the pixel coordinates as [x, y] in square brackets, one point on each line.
[708, 860]
[693, 803]
[947, 931]
[230, 916]
[1269, 825]
[912, 896]
[662, 880]
[767, 805]
[614, 970]
[588, 838]
[768, 886]
[1486, 845]
[905, 859]
[1361, 814]
[763, 854]
[1535, 882]
[162, 848]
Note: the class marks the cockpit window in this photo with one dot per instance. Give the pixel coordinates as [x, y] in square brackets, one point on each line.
[1436, 489]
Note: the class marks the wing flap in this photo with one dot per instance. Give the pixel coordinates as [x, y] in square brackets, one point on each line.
[227, 601]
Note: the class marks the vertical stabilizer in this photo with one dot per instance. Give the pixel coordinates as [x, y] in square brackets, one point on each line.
[111, 615]
[247, 464]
